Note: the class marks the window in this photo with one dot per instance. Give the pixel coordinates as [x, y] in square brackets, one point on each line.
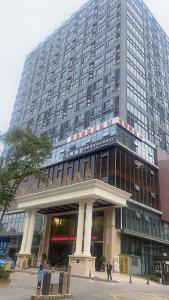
[110, 42]
[83, 80]
[110, 53]
[100, 39]
[136, 12]
[74, 86]
[135, 73]
[99, 49]
[98, 84]
[101, 29]
[108, 78]
[111, 32]
[96, 97]
[137, 119]
[108, 105]
[110, 64]
[98, 61]
[99, 71]
[135, 46]
[107, 91]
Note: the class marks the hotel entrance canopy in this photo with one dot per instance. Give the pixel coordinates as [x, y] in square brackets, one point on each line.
[96, 190]
[82, 196]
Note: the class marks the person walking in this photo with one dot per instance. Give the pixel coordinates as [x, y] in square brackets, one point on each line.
[109, 270]
[40, 277]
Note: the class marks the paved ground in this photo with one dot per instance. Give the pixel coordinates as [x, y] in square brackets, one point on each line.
[24, 285]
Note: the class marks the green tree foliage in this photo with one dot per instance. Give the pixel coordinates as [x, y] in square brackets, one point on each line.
[22, 156]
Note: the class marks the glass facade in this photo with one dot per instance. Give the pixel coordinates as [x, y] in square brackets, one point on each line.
[100, 135]
[113, 165]
[145, 249]
[71, 80]
[137, 219]
[147, 74]
[13, 223]
[12, 231]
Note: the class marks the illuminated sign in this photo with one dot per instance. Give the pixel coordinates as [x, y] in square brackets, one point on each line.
[130, 129]
[67, 238]
[91, 130]
[106, 124]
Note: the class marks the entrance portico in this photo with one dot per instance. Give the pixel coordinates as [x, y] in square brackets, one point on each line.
[86, 194]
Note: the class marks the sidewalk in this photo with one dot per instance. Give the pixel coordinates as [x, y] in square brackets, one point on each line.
[100, 276]
[121, 278]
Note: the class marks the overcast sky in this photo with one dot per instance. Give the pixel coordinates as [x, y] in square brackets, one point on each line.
[25, 23]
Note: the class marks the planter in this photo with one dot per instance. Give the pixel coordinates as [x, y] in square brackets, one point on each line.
[5, 283]
[103, 267]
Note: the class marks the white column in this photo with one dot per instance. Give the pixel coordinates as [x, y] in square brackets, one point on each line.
[25, 232]
[80, 226]
[88, 228]
[30, 232]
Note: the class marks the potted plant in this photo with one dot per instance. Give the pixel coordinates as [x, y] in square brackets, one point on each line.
[102, 261]
[4, 276]
[44, 259]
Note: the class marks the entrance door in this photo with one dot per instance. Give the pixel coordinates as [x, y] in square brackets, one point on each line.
[59, 252]
[97, 251]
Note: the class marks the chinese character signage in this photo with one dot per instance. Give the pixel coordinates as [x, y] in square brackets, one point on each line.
[124, 264]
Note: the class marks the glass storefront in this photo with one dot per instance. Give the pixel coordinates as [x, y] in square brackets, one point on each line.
[136, 219]
[13, 223]
[12, 231]
[145, 249]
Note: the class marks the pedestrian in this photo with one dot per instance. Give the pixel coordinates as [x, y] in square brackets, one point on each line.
[109, 270]
[40, 277]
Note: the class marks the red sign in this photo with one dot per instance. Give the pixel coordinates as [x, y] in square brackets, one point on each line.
[130, 129]
[91, 130]
[106, 124]
[67, 238]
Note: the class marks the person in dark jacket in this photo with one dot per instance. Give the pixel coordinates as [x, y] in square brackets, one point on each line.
[109, 271]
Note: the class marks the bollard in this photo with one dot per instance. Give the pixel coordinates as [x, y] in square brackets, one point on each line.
[68, 279]
[130, 280]
[46, 283]
[60, 282]
[63, 282]
[90, 274]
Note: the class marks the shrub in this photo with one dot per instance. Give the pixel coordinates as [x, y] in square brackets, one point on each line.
[153, 277]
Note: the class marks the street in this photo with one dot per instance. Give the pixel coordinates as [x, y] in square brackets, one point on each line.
[24, 285]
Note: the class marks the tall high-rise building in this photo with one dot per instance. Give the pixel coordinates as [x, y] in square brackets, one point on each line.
[98, 87]
[111, 58]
